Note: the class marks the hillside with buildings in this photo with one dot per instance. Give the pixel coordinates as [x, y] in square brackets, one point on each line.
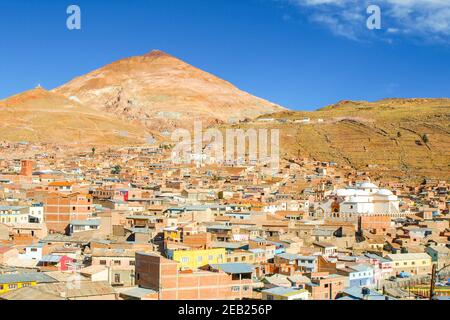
[407, 138]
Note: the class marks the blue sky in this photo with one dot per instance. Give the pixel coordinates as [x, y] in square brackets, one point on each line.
[302, 54]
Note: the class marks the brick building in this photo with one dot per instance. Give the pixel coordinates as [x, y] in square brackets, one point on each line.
[60, 209]
[26, 168]
[162, 275]
[325, 286]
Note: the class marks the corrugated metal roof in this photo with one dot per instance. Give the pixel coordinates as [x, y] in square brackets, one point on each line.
[138, 292]
[233, 268]
[408, 256]
[93, 223]
[26, 277]
[51, 258]
[283, 291]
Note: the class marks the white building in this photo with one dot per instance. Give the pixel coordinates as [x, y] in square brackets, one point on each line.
[36, 213]
[13, 214]
[32, 252]
[365, 199]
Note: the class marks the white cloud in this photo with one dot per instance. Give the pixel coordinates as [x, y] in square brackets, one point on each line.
[421, 19]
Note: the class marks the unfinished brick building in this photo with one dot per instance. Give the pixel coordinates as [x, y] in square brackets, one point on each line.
[162, 275]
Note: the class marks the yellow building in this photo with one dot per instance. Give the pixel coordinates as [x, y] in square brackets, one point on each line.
[194, 259]
[172, 234]
[412, 263]
[240, 256]
[9, 282]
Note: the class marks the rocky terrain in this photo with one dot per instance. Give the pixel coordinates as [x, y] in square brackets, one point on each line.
[40, 116]
[163, 92]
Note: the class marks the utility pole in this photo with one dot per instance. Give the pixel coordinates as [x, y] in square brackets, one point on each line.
[433, 281]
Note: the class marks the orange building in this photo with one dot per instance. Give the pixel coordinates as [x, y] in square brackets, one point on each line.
[377, 222]
[26, 168]
[162, 275]
[60, 209]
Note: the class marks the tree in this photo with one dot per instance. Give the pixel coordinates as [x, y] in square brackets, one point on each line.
[116, 169]
[93, 151]
[399, 134]
[425, 138]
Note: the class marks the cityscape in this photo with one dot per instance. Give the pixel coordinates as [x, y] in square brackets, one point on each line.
[147, 178]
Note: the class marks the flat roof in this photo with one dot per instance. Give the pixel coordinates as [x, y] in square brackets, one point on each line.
[26, 277]
[408, 256]
[283, 291]
[233, 268]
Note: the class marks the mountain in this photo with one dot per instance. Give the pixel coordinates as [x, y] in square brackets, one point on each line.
[163, 92]
[39, 115]
[385, 137]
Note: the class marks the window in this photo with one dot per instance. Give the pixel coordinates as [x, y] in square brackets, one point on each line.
[117, 262]
[103, 262]
[184, 259]
[117, 278]
[12, 286]
[246, 288]
[235, 288]
[73, 208]
[199, 259]
[132, 263]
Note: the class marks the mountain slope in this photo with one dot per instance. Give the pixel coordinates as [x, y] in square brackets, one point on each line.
[163, 92]
[385, 137]
[42, 116]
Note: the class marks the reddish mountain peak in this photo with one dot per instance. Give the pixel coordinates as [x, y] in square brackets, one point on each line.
[33, 94]
[158, 54]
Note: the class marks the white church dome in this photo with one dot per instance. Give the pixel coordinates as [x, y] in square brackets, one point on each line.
[368, 185]
[345, 192]
[384, 192]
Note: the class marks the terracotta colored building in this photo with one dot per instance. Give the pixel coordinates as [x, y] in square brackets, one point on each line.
[162, 275]
[325, 286]
[60, 209]
[26, 168]
[374, 222]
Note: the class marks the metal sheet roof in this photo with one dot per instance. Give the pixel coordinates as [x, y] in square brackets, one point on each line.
[233, 268]
[26, 277]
